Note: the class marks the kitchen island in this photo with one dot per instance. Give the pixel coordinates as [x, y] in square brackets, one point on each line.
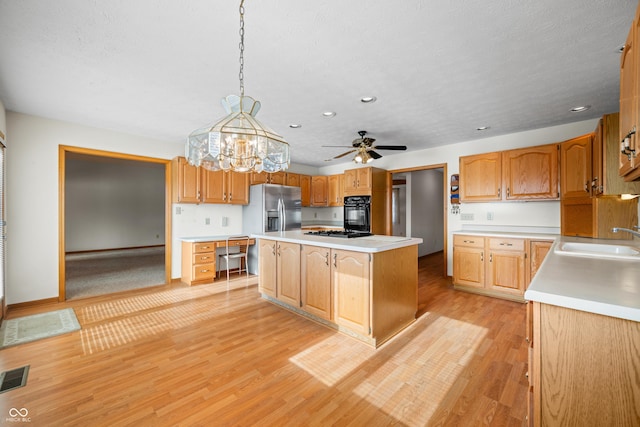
[365, 287]
[584, 336]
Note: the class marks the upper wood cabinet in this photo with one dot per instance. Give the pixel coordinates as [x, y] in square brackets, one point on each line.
[293, 179]
[185, 182]
[192, 184]
[305, 190]
[319, 191]
[575, 167]
[359, 182]
[530, 173]
[629, 164]
[480, 177]
[605, 160]
[225, 187]
[336, 190]
[268, 178]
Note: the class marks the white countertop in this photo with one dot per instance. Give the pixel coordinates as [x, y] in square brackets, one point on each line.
[370, 244]
[606, 286]
[206, 238]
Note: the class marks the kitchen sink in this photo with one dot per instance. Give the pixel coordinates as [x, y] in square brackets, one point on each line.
[598, 250]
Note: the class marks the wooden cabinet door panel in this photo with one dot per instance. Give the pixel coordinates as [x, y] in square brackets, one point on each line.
[364, 181]
[531, 173]
[238, 188]
[288, 273]
[350, 181]
[351, 273]
[277, 178]
[628, 98]
[335, 184]
[481, 177]
[319, 191]
[506, 271]
[293, 179]
[575, 164]
[468, 266]
[315, 273]
[305, 190]
[214, 186]
[186, 182]
[538, 251]
[267, 267]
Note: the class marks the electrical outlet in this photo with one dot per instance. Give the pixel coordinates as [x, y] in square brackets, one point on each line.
[466, 217]
[225, 221]
[178, 210]
[489, 216]
[335, 215]
[207, 221]
[315, 214]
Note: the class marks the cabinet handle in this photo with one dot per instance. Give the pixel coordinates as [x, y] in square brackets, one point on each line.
[508, 192]
[278, 250]
[526, 374]
[335, 260]
[499, 191]
[469, 241]
[203, 271]
[506, 244]
[327, 258]
[274, 248]
[205, 247]
[491, 257]
[586, 186]
[481, 256]
[230, 197]
[205, 257]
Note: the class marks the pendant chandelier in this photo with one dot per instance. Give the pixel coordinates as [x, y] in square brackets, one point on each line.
[238, 142]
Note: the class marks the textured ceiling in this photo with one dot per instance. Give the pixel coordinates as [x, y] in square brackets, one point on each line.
[438, 68]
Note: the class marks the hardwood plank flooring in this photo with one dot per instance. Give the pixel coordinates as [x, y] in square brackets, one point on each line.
[205, 355]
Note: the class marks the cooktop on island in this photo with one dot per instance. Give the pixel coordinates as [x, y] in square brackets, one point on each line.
[339, 233]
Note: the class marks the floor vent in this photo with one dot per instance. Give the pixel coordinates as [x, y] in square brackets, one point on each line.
[13, 379]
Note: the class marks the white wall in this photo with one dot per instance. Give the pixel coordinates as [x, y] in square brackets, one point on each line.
[3, 121]
[32, 195]
[113, 203]
[427, 221]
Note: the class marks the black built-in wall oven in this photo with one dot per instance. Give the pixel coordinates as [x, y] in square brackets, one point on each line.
[357, 214]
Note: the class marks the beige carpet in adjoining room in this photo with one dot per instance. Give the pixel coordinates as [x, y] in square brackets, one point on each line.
[104, 272]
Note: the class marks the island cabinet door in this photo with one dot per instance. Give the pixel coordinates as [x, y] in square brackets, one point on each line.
[351, 283]
[288, 273]
[315, 275]
[267, 261]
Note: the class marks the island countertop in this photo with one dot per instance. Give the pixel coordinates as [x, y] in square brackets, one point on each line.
[370, 244]
[610, 287]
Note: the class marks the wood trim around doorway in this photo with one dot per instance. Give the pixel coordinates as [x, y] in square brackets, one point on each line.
[445, 192]
[62, 151]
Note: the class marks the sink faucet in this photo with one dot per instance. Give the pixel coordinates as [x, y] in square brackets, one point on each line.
[635, 233]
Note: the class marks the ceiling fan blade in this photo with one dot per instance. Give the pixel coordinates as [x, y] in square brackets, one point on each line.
[391, 147]
[334, 146]
[340, 155]
[374, 154]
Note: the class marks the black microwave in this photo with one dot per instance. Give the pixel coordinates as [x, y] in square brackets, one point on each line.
[357, 213]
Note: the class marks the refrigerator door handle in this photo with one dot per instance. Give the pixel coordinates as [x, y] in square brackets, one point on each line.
[280, 214]
[284, 216]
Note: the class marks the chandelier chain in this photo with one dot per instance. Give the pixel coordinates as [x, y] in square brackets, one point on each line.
[241, 74]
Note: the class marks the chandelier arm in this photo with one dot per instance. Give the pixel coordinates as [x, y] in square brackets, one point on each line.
[241, 74]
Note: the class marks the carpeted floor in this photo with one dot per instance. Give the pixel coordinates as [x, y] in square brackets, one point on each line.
[104, 272]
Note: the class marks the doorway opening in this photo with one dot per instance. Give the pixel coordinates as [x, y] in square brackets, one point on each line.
[115, 222]
[418, 208]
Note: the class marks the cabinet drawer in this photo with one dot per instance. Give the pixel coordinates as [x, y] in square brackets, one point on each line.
[204, 247]
[204, 271]
[204, 258]
[469, 241]
[506, 244]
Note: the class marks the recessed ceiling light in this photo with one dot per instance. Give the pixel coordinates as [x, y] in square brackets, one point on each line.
[329, 113]
[580, 108]
[368, 99]
[482, 128]
[295, 126]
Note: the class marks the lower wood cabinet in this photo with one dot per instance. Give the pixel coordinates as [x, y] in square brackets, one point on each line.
[198, 262]
[316, 281]
[370, 296]
[583, 368]
[279, 270]
[496, 266]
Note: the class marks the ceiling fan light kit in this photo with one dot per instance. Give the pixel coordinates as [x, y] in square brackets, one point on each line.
[364, 149]
[238, 142]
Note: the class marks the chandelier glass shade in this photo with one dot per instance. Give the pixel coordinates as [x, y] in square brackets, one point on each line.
[362, 156]
[238, 142]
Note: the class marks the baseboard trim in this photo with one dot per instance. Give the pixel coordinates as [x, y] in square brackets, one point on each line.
[33, 303]
[113, 249]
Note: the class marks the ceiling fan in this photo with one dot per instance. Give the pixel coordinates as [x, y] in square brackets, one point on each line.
[364, 149]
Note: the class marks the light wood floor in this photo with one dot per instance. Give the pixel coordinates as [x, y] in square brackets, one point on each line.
[202, 355]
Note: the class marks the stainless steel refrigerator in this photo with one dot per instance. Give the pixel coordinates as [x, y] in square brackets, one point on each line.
[271, 208]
